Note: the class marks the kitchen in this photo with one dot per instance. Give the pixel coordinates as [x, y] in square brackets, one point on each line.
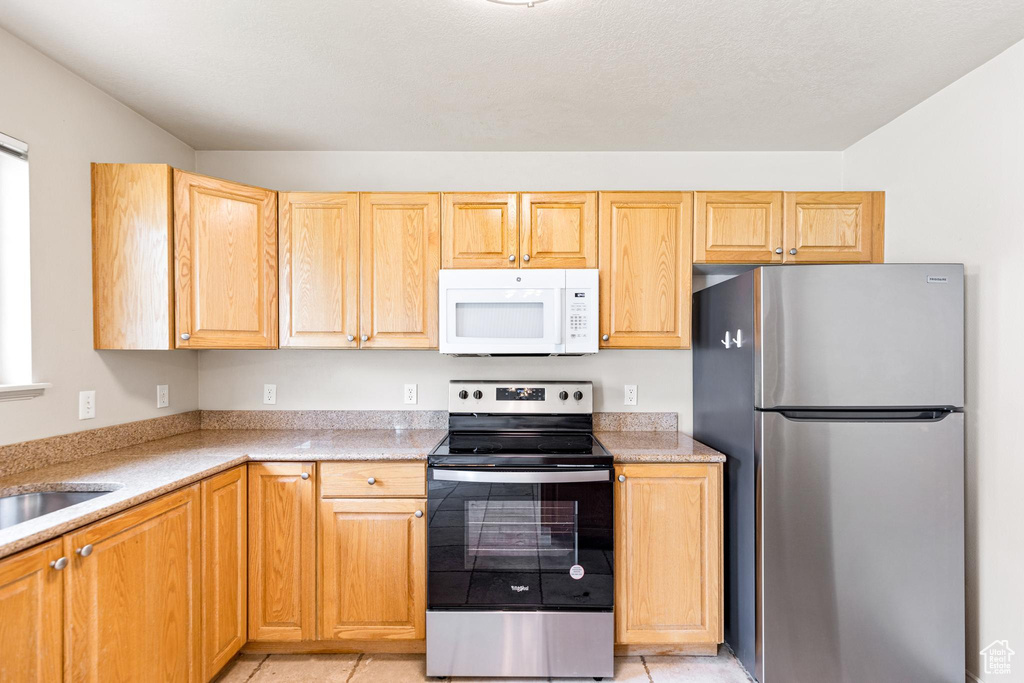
[278, 412]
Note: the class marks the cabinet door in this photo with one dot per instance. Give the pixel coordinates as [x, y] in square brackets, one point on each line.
[834, 227]
[132, 251]
[668, 557]
[132, 594]
[645, 269]
[225, 516]
[282, 537]
[373, 569]
[559, 230]
[480, 230]
[319, 269]
[399, 251]
[225, 273]
[737, 227]
[32, 604]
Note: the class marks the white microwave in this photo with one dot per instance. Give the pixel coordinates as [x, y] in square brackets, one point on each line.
[547, 311]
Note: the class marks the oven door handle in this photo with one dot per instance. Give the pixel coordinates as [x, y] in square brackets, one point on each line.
[534, 477]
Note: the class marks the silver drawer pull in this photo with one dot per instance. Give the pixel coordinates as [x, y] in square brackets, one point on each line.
[622, 477]
[59, 563]
[304, 475]
[85, 550]
[521, 477]
[419, 513]
[371, 481]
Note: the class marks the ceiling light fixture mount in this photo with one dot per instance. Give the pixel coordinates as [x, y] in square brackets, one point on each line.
[522, 3]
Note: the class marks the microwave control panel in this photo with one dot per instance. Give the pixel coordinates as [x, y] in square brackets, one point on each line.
[581, 311]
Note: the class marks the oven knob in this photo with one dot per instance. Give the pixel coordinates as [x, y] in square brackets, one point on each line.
[463, 394]
[478, 394]
[564, 395]
[578, 395]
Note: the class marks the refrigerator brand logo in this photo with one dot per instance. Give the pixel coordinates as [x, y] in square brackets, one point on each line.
[938, 279]
[520, 589]
[997, 657]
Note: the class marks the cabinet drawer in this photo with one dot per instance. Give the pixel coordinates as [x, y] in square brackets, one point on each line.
[346, 479]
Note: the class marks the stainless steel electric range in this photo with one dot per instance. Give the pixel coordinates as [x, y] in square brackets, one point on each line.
[519, 536]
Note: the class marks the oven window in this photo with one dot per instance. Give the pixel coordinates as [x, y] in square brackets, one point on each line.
[516, 534]
[499, 320]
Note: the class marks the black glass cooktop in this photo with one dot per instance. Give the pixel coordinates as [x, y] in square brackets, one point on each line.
[487, 447]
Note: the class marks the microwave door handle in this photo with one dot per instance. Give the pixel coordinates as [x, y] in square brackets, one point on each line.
[492, 477]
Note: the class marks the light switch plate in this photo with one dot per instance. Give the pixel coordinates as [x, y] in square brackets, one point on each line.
[270, 394]
[86, 405]
[163, 398]
[630, 395]
[410, 393]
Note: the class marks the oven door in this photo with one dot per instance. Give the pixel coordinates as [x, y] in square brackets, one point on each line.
[498, 312]
[520, 539]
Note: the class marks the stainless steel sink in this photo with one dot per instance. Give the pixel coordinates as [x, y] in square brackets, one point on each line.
[25, 506]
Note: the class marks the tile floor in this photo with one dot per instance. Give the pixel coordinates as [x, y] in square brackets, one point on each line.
[407, 668]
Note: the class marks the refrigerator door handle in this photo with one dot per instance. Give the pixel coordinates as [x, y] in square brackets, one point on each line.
[737, 340]
[727, 341]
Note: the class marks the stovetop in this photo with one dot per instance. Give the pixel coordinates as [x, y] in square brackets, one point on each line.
[510, 448]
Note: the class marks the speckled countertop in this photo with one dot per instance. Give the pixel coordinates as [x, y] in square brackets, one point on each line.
[139, 473]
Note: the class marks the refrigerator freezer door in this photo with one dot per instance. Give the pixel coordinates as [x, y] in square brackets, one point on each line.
[860, 336]
[862, 532]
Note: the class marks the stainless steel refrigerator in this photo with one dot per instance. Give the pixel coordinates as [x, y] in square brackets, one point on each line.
[837, 394]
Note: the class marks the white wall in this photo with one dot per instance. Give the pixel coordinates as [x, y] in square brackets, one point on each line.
[68, 123]
[373, 380]
[953, 171]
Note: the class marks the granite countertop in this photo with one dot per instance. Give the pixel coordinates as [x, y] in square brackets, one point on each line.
[139, 473]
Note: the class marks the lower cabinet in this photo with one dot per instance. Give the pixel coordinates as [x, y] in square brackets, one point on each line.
[668, 556]
[373, 569]
[132, 594]
[224, 572]
[282, 551]
[32, 605]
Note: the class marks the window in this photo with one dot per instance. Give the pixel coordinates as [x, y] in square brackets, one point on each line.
[15, 296]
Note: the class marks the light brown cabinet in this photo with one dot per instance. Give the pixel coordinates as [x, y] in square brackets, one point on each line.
[225, 264]
[282, 551]
[32, 622]
[319, 258]
[373, 568]
[511, 230]
[789, 227]
[645, 240]
[668, 556]
[132, 594]
[224, 556]
[399, 254]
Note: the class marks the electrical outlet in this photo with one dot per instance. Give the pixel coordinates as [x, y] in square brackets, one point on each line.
[630, 395]
[86, 405]
[162, 396]
[410, 393]
[270, 394]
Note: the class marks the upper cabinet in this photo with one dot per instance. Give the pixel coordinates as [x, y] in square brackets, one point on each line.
[790, 227]
[399, 253]
[319, 235]
[480, 230]
[835, 227]
[645, 269]
[132, 249]
[558, 230]
[225, 264]
[737, 227]
[509, 230]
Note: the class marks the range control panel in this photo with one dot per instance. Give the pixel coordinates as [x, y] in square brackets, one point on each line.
[490, 396]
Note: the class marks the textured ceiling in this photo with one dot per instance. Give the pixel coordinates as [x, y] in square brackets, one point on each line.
[563, 75]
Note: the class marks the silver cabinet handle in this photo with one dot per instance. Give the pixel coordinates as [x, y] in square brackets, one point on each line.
[778, 250]
[511, 257]
[371, 481]
[186, 336]
[304, 475]
[351, 338]
[59, 563]
[526, 257]
[622, 477]
[365, 337]
[521, 477]
[793, 252]
[85, 550]
[419, 513]
[604, 337]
